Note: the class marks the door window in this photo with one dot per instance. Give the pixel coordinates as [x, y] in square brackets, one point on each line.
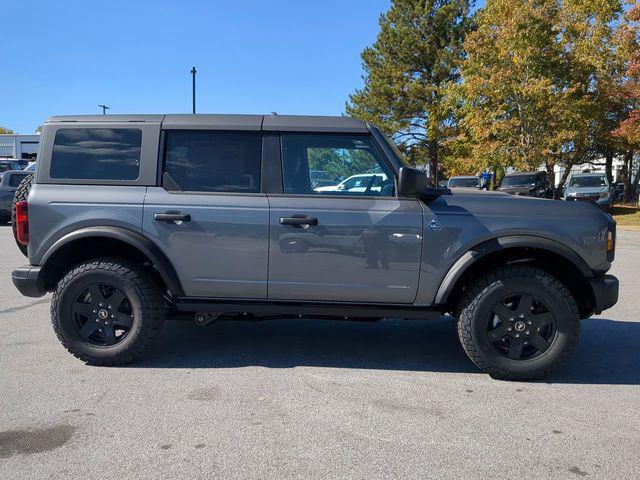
[213, 161]
[334, 165]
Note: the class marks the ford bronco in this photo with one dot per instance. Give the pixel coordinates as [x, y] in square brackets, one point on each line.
[132, 219]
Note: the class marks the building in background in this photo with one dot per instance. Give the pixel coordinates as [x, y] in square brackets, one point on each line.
[23, 148]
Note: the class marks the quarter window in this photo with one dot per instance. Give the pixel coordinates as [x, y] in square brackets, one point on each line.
[213, 161]
[96, 154]
[334, 165]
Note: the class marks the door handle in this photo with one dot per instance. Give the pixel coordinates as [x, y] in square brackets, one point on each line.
[172, 217]
[299, 221]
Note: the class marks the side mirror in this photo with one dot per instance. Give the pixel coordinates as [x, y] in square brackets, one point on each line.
[415, 183]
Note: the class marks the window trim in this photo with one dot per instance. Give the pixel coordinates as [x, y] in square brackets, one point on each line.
[163, 161]
[376, 146]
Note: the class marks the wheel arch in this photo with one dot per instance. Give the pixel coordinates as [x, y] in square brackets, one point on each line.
[550, 255]
[81, 244]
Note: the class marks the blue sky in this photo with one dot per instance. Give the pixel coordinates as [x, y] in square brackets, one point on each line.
[66, 57]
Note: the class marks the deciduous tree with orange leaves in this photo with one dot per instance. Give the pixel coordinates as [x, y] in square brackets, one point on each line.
[531, 80]
[629, 93]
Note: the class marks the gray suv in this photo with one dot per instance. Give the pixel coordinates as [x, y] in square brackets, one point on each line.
[136, 218]
[589, 187]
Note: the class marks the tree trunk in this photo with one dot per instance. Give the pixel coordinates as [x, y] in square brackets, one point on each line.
[628, 171]
[433, 162]
[551, 173]
[634, 190]
[563, 180]
[608, 166]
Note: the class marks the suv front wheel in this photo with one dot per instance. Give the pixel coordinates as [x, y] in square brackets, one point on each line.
[107, 311]
[518, 323]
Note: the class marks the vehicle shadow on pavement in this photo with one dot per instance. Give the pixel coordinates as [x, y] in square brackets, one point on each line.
[607, 352]
[410, 345]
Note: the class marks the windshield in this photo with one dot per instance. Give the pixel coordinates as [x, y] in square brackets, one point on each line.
[518, 180]
[463, 182]
[591, 181]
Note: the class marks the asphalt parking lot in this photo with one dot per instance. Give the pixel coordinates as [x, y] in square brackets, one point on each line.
[316, 399]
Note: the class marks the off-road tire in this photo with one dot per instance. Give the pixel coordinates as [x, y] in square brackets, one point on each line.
[480, 299]
[142, 292]
[22, 192]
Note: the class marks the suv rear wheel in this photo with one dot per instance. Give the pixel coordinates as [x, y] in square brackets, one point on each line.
[107, 311]
[518, 323]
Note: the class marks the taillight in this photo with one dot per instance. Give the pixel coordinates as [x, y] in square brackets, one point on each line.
[22, 222]
[611, 241]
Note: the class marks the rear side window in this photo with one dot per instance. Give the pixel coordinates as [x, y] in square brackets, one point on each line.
[96, 154]
[213, 161]
[15, 179]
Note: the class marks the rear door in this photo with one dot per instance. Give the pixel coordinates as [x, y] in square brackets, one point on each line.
[347, 245]
[209, 216]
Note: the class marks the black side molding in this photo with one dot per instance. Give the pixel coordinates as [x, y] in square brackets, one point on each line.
[504, 243]
[141, 243]
[275, 307]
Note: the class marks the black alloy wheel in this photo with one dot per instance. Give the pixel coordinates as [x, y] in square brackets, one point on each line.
[102, 314]
[521, 327]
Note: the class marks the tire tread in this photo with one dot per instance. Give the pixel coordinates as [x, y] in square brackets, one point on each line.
[150, 297]
[474, 295]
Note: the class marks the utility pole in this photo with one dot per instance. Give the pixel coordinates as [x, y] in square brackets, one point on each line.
[193, 82]
[104, 109]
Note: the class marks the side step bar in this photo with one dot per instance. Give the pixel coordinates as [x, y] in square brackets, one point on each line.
[261, 307]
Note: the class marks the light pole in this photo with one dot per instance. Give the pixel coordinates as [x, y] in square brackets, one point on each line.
[193, 91]
[104, 109]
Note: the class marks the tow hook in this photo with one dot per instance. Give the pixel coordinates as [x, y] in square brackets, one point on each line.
[206, 318]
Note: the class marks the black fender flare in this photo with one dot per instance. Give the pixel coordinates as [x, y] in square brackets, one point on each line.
[488, 247]
[137, 241]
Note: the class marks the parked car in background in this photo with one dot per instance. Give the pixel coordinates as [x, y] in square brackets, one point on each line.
[527, 184]
[373, 182]
[463, 181]
[9, 183]
[589, 187]
[10, 164]
[320, 178]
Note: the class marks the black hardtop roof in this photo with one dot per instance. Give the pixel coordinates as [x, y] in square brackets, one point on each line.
[266, 123]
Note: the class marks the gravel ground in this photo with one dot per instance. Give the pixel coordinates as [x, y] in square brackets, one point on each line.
[316, 399]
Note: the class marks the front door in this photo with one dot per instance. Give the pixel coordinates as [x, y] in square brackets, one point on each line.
[336, 242]
[209, 217]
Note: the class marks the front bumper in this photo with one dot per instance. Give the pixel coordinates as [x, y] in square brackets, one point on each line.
[29, 281]
[605, 292]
